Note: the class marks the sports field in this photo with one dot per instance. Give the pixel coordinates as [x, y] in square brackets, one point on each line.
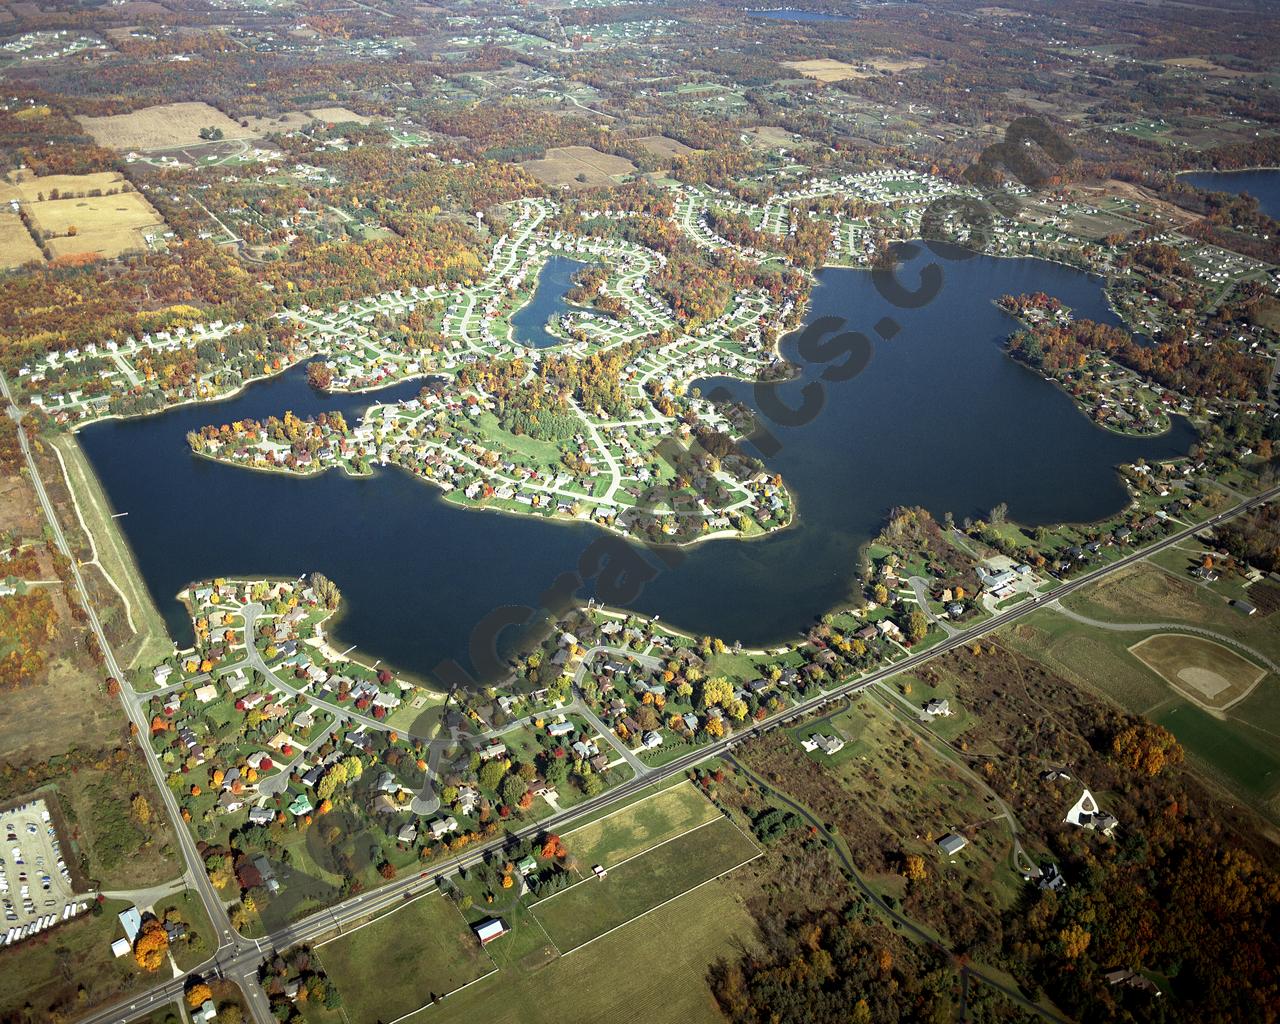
[1207, 672]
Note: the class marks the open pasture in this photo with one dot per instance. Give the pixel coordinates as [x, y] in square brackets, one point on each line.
[16, 244]
[420, 950]
[578, 166]
[162, 127]
[595, 906]
[639, 827]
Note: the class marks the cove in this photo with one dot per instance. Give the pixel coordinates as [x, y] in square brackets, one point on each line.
[548, 303]
[1263, 185]
[940, 417]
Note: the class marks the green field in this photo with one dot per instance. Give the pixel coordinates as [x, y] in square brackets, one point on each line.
[1247, 764]
[394, 965]
[663, 959]
[595, 906]
[632, 830]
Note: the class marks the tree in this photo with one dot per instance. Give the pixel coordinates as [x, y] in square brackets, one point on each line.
[151, 945]
[513, 788]
[140, 809]
[197, 994]
[1146, 748]
[491, 773]
[917, 625]
[913, 867]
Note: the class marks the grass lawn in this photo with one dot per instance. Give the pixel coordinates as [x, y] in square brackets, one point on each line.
[639, 827]
[394, 965]
[1246, 764]
[666, 954]
[114, 555]
[594, 906]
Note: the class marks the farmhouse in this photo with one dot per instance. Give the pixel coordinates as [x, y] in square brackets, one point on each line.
[489, 929]
[952, 844]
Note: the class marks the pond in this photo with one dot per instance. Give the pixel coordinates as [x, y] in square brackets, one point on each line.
[529, 324]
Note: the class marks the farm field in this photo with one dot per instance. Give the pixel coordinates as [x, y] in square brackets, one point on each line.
[82, 213]
[825, 70]
[338, 115]
[675, 943]
[563, 166]
[593, 906]
[423, 950]
[1208, 672]
[162, 126]
[661, 146]
[105, 225]
[16, 245]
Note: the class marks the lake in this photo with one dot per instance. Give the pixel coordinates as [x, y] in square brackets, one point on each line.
[1263, 185]
[529, 324]
[941, 417]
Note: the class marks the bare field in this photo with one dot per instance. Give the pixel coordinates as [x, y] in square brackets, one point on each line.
[824, 70]
[338, 115]
[1206, 672]
[663, 147]
[563, 166]
[16, 245]
[162, 127]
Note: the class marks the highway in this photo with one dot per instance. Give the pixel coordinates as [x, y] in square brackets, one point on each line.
[238, 958]
[197, 877]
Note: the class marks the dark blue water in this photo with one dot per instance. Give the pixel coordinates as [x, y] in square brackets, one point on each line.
[529, 324]
[790, 14]
[940, 417]
[1264, 186]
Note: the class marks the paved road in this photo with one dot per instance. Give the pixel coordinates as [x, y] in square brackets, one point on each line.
[195, 872]
[1172, 627]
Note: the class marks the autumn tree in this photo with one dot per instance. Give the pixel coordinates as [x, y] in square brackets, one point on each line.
[151, 945]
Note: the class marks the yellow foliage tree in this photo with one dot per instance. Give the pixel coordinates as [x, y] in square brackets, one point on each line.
[198, 993]
[151, 946]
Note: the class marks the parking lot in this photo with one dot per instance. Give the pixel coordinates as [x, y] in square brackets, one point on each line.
[35, 884]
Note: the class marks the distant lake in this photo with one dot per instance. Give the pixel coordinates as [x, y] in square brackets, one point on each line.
[1264, 186]
[941, 417]
[529, 324]
[791, 14]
